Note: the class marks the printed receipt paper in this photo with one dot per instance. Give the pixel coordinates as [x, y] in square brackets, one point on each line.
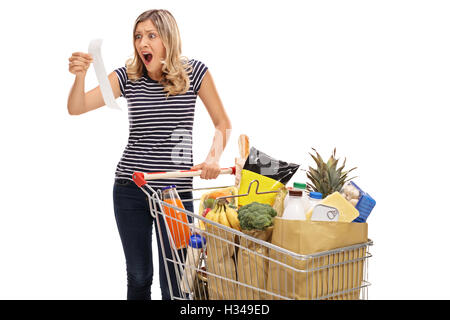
[99, 67]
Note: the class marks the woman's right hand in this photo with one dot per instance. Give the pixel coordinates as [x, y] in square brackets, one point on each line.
[79, 63]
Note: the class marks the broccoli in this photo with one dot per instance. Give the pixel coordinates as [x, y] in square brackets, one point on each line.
[256, 216]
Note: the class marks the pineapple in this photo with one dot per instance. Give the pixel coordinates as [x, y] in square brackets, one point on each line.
[327, 177]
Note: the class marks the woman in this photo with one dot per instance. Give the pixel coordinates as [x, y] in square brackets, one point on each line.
[161, 89]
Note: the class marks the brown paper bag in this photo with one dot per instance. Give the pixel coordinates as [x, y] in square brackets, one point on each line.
[330, 276]
[278, 205]
[220, 263]
[252, 265]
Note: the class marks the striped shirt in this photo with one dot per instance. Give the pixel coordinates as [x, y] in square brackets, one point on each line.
[160, 127]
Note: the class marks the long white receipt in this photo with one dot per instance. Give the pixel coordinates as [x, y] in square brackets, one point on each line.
[99, 67]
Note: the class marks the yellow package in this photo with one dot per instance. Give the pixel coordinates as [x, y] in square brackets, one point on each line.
[265, 184]
[272, 175]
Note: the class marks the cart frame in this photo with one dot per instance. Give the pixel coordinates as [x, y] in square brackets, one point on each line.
[340, 273]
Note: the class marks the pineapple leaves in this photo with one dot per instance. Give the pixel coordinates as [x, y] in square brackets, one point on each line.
[327, 177]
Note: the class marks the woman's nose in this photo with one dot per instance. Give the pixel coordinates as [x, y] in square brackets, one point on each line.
[144, 44]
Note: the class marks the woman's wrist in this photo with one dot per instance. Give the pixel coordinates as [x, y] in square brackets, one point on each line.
[212, 160]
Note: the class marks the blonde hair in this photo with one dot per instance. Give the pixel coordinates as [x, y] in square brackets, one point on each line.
[175, 68]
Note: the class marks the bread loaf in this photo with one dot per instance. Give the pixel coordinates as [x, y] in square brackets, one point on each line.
[243, 154]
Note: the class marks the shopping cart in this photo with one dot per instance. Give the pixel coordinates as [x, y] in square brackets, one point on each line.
[235, 265]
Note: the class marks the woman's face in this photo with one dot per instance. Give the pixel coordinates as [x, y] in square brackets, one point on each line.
[150, 48]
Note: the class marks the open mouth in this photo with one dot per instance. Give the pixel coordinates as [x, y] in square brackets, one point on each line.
[147, 57]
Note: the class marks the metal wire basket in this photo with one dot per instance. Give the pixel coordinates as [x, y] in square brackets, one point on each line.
[237, 265]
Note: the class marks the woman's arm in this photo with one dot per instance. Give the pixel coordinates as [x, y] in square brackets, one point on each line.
[80, 102]
[210, 98]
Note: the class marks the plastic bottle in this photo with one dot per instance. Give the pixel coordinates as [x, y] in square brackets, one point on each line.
[300, 186]
[305, 199]
[294, 209]
[176, 220]
[313, 199]
[196, 243]
[286, 199]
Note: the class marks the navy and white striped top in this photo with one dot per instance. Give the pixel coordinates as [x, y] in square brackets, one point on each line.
[160, 136]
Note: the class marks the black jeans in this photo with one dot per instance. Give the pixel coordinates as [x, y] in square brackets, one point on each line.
[134, 222]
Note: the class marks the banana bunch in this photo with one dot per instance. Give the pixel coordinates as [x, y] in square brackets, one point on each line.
[225, 215]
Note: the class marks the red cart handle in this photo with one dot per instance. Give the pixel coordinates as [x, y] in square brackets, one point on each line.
[140, 178]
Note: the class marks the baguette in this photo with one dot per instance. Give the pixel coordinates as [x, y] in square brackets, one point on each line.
[243, 146]
[243, 154]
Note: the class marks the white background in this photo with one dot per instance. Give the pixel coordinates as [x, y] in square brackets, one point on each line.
[370, 78]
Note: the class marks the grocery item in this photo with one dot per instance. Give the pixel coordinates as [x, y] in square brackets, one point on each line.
[272, 174]
[295, 209]
[327, 178]
[334, 276]
[208, 200]
[224, 215]
[313, 199]
[322, 212]
[351, 193]
[253, 265]
[361, 200]
[302, 186]
[220, 255]
[232, 217]
[196, 243]
[333, 208]
[205, 212]
[201, 285]
[256, 220]
[279, 203]
[256, 215]
[243, 143]
[176, 220]
[286, 198]
[213, 215]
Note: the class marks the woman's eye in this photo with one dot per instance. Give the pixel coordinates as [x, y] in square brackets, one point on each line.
[152, 36]
[138, 36]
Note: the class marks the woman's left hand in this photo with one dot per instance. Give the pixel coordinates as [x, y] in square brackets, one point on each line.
[210, 169]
